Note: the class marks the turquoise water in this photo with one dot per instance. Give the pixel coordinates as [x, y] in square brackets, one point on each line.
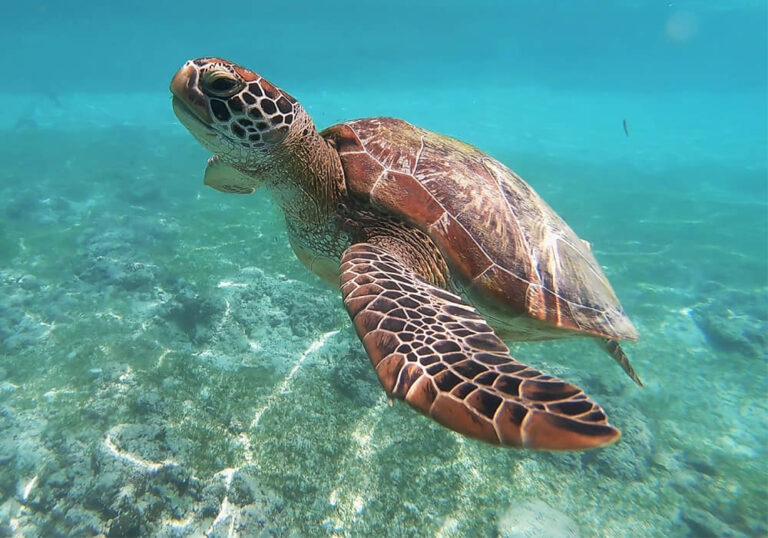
[168, 368]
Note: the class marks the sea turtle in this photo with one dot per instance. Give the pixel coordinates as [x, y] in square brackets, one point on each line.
[432, 243]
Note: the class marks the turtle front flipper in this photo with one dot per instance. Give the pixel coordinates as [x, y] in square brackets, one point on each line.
[225, 178]
[434, 351]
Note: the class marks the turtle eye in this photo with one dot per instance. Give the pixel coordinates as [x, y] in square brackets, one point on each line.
[220, 84]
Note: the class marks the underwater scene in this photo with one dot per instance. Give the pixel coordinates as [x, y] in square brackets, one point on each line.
[168, 367]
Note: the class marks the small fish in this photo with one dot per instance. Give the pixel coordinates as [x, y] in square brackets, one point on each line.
[53, 96]
[626, 128]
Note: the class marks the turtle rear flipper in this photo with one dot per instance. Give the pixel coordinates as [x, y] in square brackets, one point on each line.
[614, 349]
[435, 351]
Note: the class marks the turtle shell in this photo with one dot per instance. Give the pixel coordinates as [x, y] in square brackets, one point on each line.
[508, 251]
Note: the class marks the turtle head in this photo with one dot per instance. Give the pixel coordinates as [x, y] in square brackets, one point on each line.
[235, 113]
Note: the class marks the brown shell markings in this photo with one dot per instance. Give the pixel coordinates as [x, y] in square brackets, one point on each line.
[507, 249]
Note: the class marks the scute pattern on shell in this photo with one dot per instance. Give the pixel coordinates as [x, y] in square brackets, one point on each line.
[434, 351]
[506, 247]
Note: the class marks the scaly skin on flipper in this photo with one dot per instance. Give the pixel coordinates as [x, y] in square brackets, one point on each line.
[434, 351]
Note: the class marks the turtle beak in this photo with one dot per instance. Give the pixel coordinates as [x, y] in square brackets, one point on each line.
[184, 87]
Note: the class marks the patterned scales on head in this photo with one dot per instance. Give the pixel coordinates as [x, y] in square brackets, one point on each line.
[439, 250]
